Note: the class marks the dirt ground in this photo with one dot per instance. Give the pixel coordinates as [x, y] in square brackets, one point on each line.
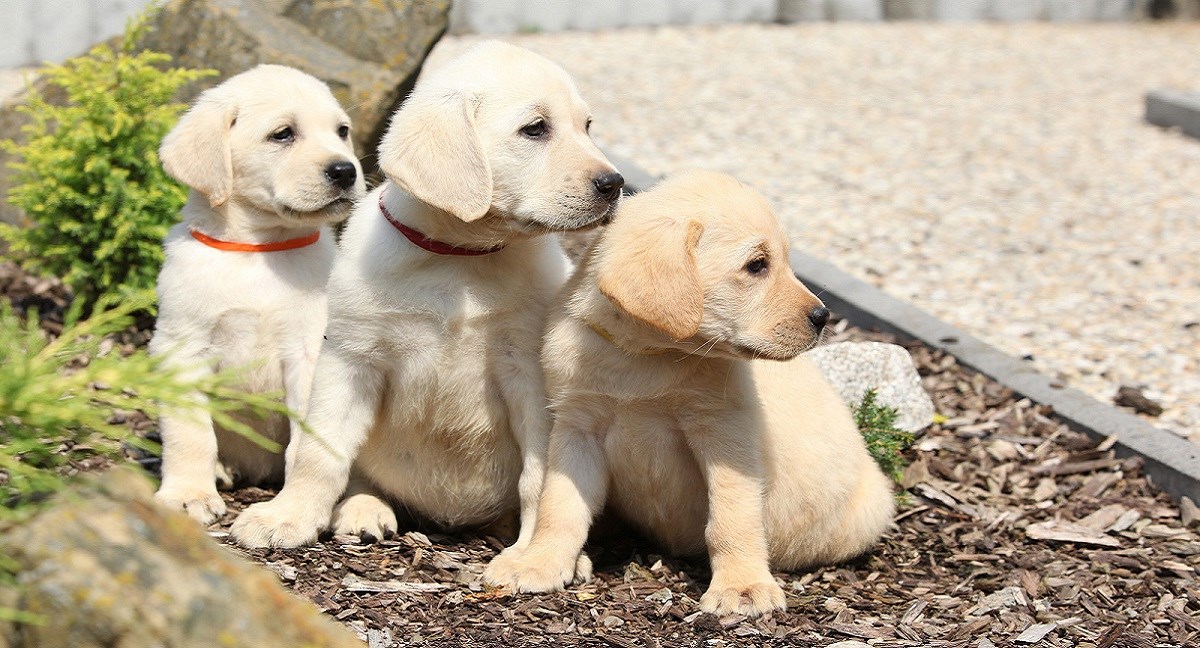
[1014, 531]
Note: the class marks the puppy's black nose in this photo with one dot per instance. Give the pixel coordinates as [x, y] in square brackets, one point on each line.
[819, 317]
[342, 174]
[609, 185]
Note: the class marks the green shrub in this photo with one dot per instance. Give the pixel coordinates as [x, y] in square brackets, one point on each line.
[88, 177]
[885, 441]
[58, 397]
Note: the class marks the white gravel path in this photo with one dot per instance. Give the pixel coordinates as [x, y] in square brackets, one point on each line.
[999, 177]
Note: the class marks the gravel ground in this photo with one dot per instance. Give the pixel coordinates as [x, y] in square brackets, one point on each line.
[1000, 177]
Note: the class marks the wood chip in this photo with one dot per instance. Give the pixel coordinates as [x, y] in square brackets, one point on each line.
[1078, 467]
[1189, 513]
[1104, 518]
[355, 584]
[1035, 633]
[1067, 532]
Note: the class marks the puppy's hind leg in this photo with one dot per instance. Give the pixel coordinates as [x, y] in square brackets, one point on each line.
[362, 512]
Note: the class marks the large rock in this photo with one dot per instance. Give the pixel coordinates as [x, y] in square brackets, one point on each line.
[369, 53]
[855, 367]
[105, 566]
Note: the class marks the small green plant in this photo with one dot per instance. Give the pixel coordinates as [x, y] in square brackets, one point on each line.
[885, 441]
[58, 397]
[88, 176]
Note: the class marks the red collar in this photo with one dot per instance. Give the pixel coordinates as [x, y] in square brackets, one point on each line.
[424, 242]
[276, 246]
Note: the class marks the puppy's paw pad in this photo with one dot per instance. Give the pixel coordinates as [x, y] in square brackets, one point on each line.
[752, 599]
[524, 571]
[271, 524]
[203, 506]
[365, 516]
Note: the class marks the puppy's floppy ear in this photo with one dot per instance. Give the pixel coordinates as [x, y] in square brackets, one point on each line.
[196, 152]
[649, 271]
[432, 149]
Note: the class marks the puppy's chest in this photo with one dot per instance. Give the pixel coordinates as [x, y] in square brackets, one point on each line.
[455, 359]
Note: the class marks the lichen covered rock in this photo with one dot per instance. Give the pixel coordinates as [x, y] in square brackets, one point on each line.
[106, 566]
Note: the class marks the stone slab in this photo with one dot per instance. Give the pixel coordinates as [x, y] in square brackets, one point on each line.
[791, 11]
[960, 10]
[1171, 108]
[856, 10]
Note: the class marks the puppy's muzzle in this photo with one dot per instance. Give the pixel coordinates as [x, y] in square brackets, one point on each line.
[608, 186]
[341, 174]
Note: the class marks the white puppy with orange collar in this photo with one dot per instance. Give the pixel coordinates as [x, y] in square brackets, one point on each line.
[268, 157]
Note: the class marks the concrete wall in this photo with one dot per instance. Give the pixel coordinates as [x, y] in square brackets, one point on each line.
[33, 31]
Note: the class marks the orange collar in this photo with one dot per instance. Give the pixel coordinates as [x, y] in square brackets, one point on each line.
[276, 246]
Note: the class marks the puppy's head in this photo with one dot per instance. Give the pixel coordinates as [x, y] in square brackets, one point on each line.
[701, 259]
[502, 133]
[272, 138]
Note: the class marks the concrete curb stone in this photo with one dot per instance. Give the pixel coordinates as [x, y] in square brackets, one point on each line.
[1170, 108]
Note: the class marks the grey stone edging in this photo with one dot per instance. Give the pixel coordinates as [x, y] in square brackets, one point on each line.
[1172, 463]
[1169, 108]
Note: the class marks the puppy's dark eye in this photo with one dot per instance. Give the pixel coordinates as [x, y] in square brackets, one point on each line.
[588, 126]
[536, 130]
[757, 266]
[285, 134]
[343, 131]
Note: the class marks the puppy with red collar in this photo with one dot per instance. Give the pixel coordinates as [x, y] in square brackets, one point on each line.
[428, 384]
[269, 161]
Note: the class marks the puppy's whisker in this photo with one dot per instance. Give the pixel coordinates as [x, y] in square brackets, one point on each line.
[711, 343]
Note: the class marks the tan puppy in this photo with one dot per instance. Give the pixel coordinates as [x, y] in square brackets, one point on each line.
[268, 157]
[663, 406]
[430, 376]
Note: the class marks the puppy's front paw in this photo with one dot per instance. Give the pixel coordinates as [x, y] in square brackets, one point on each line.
[750, 599]
[522, 570]
[276, 524]
[225, 477]
[365, 516]
[204, 505]
[583, 569]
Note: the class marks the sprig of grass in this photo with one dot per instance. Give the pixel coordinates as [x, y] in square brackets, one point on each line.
[58, 397]
[885, 441]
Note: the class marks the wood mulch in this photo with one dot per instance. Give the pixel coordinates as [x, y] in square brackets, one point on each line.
[1015, 532]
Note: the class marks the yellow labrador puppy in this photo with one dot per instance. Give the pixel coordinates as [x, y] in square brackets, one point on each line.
[672, 372]
[429, 377]
[268, 157]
